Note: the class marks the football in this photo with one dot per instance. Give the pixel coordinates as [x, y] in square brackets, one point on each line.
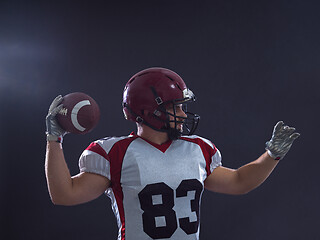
[80, 113]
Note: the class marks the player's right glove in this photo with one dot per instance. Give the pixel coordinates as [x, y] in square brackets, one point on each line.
[53, 130]
[281, 141]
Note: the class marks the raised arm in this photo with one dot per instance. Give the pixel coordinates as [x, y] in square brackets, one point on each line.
[251, 175]
[64, 189]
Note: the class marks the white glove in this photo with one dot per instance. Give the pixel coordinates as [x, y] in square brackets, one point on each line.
[54, 131]
[281, 141]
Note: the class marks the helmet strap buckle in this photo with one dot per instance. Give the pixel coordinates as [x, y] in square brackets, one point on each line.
[157, 113]
[139, 119]
[158, 100]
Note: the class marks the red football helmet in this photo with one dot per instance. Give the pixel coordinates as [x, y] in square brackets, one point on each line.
[147, 94]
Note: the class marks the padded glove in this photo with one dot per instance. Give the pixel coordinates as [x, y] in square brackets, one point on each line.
[281, 140]
[53, 130]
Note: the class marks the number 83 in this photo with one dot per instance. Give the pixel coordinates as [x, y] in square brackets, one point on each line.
[165, 209]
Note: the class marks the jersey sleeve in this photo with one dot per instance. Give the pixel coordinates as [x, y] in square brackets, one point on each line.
[94, 159]
[212, 155]
[216, 160]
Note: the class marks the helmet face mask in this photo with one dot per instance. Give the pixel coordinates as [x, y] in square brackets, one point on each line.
[149, 93]
[177, 125]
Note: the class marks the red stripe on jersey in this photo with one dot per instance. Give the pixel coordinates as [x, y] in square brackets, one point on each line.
[206, 149]
[95, 147]
[116, 155]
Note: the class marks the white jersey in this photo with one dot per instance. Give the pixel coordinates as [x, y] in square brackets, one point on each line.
[155, 189]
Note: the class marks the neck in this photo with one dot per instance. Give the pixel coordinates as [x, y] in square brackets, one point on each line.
[151, 134]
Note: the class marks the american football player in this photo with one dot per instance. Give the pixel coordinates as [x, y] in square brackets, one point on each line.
[155, 177]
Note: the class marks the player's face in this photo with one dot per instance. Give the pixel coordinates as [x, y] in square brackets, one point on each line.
[179, 112]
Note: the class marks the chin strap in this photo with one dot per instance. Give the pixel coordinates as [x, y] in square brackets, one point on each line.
[173, 133]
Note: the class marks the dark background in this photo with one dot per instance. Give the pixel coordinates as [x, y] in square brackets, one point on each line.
[250, 63]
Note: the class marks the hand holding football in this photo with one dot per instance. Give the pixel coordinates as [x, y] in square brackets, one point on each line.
[80, 113]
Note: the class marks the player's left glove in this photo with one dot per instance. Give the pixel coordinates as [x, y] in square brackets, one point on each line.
[281, 140]
[54, 131]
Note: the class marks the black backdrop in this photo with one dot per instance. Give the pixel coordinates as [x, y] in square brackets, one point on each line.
[250, 63]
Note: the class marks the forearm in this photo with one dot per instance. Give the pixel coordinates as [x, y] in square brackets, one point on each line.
[57, 173]
[254, 173]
